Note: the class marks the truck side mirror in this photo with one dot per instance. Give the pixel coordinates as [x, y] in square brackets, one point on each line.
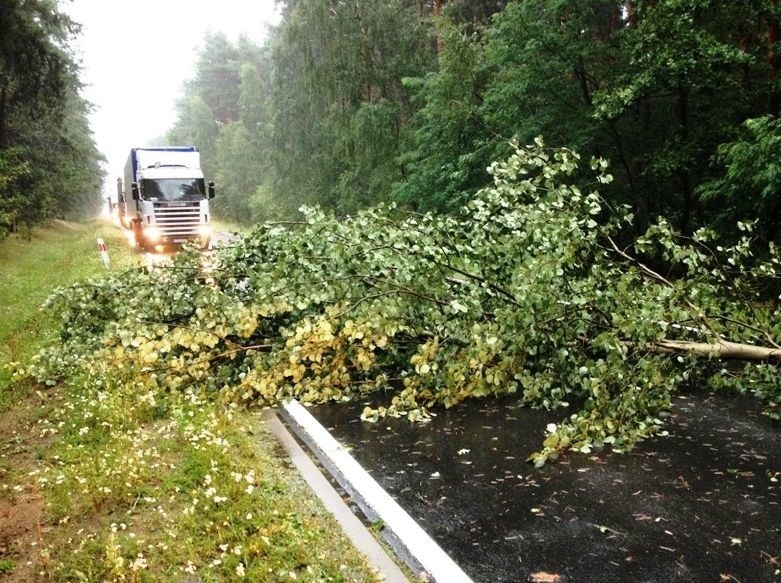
[134, 190]
[211, 189]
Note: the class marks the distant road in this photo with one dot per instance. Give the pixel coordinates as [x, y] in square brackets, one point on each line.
[218, 239]
[223, 238]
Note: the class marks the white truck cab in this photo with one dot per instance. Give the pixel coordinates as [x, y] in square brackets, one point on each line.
[168, 202]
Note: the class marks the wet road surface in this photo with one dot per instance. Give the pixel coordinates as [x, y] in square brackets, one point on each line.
[703, 504]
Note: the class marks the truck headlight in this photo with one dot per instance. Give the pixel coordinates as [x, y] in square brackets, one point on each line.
[152, 234]
[204, 230]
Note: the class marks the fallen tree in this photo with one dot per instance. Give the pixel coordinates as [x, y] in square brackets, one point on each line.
[525, 292]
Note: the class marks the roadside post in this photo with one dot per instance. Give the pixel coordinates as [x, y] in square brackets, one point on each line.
[103, 253]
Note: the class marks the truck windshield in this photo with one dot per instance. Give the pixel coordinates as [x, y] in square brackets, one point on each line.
[173, 189]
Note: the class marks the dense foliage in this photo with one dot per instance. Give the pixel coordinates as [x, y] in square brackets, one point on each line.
[322, 112]
[353, 103]
[749, 187]
[49, 166]
[525, 291]
[654, 86]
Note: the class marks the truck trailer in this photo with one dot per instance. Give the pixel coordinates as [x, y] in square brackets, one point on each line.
[163, 199]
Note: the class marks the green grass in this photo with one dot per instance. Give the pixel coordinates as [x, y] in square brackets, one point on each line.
[31, 269]
[201, 491]
[103, 483]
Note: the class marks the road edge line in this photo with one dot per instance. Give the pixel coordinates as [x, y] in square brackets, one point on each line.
[358, 534]
[375, 502]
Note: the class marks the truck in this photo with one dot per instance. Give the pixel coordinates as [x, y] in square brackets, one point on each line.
[163, 199]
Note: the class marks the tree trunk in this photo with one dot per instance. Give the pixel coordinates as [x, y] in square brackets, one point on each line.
[367, 55]
[631, 14]
[773, 33]
[723, 349]
[437, 15]
[609, 25]
[3, 102]
[582, 77]
[641, 203]
[683, 174]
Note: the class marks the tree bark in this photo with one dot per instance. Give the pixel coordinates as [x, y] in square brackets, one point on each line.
[723, 349]
[683, 173]
[773, 34]
[582, 77]
[437, 15]
[3, 101]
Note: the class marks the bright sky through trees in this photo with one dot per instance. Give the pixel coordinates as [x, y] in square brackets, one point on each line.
[137, 55]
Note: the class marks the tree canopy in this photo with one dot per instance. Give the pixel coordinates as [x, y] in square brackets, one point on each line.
[410, 101]
[49, 165]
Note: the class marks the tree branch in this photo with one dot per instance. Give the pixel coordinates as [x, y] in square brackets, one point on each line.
[722, 349]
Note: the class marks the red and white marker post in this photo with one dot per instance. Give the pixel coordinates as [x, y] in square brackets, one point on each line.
[103, 253]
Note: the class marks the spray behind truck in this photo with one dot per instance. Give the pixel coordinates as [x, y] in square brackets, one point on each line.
[163, 199]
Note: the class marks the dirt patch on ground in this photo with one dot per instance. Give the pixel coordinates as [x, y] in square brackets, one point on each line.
[20, 534]
[17, 423]
[22, 511]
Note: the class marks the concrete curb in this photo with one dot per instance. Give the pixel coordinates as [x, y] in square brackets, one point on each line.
[360, 537]
[409, 540]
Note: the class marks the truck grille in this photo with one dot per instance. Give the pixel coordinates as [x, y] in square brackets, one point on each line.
[178, 222]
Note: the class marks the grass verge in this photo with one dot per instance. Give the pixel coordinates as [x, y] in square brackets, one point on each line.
[31, 269]
[107, 483]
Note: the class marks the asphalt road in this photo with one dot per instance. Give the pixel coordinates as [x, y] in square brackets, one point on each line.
[703, 504]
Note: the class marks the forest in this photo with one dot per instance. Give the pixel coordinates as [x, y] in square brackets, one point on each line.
[49, 164]
[348, 104]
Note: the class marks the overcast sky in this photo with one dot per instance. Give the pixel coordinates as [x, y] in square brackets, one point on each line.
[137, 54]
